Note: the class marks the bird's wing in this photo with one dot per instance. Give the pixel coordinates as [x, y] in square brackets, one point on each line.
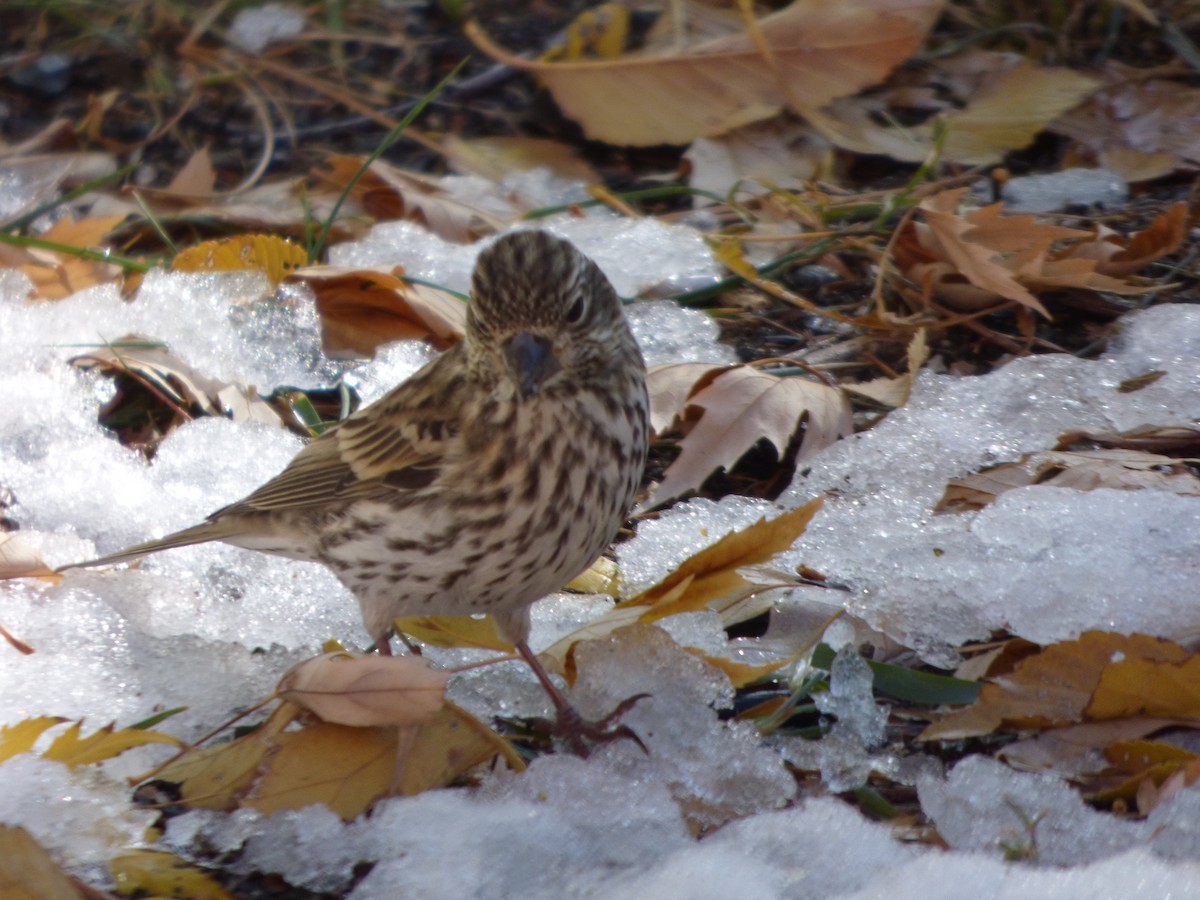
[398, 443]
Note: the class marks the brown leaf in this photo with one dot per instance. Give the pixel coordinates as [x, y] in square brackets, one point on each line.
[1120, 257]
[743, 405]
[1139, 127]
[362, 309]
[349, 689]
[1080, 470]
[27, 872]
[672, 385]
[196, 179]
[973, 260]
[391, 193]
[810, 49]
[1054, 687]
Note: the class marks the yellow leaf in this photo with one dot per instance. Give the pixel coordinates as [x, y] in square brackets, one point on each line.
[712, 572]
[452, 744]
[155, 873]
[21, 737]
[274, 256]
[455, 631]
[27, 872]
[742, 674]
[1163, 688]
[1052, 687]
[218, 777]
[601, 577]
[707, 580]
[104, 744]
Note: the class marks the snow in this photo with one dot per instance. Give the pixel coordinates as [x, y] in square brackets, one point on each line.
[712, 810]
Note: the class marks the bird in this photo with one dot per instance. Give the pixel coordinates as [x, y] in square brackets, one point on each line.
[485, 481]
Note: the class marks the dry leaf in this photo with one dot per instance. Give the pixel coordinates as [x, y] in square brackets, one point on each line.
[710, 579]
[1069, 752]
[1165, 688]
[455, 631]
[391, 193]
[1006, 101]
[974, 260]
[894, 392]
[345, 768]
[495, 158]
[349, 689]
[18, 559]
[155, 873]
[1139, 127]
[28, 873]
[55, 274]
[1080, 470]
[1056, 686]
[274, 256]
[196, 179]
[738, 408]
[361, 309]
[811, 50]
[104, 744]
[1121, 257]
[20, 737]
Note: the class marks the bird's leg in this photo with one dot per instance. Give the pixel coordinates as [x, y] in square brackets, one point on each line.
[569, 724]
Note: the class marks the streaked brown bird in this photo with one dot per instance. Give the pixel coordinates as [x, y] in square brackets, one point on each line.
[488, 479]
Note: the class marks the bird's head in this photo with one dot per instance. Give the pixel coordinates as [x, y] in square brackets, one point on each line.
[542, 313]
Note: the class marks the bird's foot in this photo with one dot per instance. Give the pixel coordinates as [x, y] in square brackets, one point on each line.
[580, 734]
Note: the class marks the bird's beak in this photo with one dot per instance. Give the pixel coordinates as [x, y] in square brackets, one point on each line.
[531, 360]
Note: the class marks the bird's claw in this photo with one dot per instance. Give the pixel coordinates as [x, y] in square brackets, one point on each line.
[580, 734]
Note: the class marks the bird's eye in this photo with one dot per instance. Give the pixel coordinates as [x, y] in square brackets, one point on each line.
[576, 310]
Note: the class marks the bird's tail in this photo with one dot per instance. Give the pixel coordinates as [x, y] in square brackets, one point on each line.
[197, 534]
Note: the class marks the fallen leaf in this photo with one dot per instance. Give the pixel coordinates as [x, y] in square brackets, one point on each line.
[345, 768]
[1121, 256]
[362, 309]
[1004, 102]
[455, 631]
[156, 873]
[1080, 470]
[21, 736]
[975, 259]
[28, 873]
[388, 192]
[1164, 688]
[274, 256]
[711, 579]
[894, 392]
[349, 689]
[738, 408]
[1055, 687]
[496, 158]
[19, 559]
[101, 745]
[1137, 126]
[810, 49]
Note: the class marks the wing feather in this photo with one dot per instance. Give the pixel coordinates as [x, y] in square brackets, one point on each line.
[397, 443]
